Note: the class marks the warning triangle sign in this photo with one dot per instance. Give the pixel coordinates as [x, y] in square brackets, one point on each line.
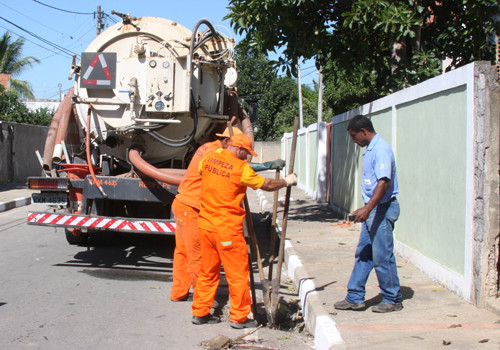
[98, 70]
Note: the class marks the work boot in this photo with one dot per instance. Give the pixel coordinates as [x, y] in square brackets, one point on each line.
[347, 305]
[215, 305]
[247, 324]
[188, 297]
[387, 307]
[210, 319]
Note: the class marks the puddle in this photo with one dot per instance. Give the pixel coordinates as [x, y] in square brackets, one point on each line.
[123, 274]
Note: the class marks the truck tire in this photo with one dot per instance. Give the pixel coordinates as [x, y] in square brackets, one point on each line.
[101, 238]
[76, 240]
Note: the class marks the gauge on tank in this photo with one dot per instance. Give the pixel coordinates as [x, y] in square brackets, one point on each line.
[159, 106]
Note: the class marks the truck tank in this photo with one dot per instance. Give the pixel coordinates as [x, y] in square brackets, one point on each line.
[148, 91]
[152, 82]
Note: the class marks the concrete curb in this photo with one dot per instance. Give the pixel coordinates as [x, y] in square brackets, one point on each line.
[15, 203]
[317, 320]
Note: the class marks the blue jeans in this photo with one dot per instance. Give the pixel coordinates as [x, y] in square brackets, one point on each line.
[375, 250]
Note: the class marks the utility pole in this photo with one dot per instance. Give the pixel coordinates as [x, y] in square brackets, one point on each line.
[301, 116]
[99, 20]
[320, 94]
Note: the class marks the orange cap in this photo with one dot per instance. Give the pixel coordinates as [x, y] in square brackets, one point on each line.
[242, 140]
[236, 131]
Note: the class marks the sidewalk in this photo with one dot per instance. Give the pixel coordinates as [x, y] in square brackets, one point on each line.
[13, 196]
[319, 260]
[320, 257]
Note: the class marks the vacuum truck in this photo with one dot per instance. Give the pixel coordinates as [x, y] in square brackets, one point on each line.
[147, 93]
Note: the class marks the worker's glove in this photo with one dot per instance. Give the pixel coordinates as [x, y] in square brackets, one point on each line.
[277, 164]
[291, 179]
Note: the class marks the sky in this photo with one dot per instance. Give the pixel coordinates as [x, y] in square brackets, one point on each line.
[54, 29]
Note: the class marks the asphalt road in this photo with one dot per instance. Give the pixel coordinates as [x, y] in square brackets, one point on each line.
[57, 296]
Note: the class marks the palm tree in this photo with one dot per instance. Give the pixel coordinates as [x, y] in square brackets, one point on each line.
[11, 62]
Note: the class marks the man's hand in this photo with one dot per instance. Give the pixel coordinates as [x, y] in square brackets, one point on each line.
[291, 179]
[361, 214]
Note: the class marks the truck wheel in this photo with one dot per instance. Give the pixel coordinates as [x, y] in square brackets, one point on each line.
[101, 238]
[76, 238]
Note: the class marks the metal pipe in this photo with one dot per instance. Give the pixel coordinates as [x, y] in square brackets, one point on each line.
[89, 159]
[147, 169]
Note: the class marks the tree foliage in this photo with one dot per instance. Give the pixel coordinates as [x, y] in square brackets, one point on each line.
[369, 48]
[13, 110]
[274, 97]
[11, 61]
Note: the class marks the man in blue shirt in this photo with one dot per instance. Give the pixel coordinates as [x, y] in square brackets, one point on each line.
[375, 247]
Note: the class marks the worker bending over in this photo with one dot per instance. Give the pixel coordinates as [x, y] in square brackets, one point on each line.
[225, 177]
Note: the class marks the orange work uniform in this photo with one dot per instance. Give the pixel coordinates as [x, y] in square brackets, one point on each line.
[224, 182]
[186, 207]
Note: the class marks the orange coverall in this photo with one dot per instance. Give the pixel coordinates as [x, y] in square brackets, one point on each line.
[186, 207]
[224, 182]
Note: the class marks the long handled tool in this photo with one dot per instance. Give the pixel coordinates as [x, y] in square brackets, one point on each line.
[273, 229]
[252, 281]
[275, 284]
[264, 282]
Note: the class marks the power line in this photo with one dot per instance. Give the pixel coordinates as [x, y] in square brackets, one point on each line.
[308, 74]
[56, 8]
[303, 69]
[34, 20]
[73, 37]
[60, 48]
[31, 41]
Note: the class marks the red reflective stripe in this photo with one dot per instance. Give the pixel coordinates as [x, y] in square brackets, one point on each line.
[90, 82]
[170, 226]
[94, 61]
[107, 72]
[110, 223]
[45, 217]
[157, 227]
[95, 223]
[132, 226]
[56, 219]
[81, 223]
[70, 220]
[32, 216]
[123, 223]
[145, 226]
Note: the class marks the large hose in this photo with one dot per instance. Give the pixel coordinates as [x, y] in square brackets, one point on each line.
[134, 156]
[48, 150]
[62, 129]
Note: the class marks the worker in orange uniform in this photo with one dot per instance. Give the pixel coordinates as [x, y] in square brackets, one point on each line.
[225, 177]
[186, 207]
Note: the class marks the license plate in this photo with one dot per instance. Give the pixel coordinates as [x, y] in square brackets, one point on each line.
[50, 198]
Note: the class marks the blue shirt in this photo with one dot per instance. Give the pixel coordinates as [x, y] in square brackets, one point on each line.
[379, 162]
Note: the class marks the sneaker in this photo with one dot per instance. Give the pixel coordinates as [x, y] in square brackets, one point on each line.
[386, 307]
[210, 319]
[247, 324]
[347, 305]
